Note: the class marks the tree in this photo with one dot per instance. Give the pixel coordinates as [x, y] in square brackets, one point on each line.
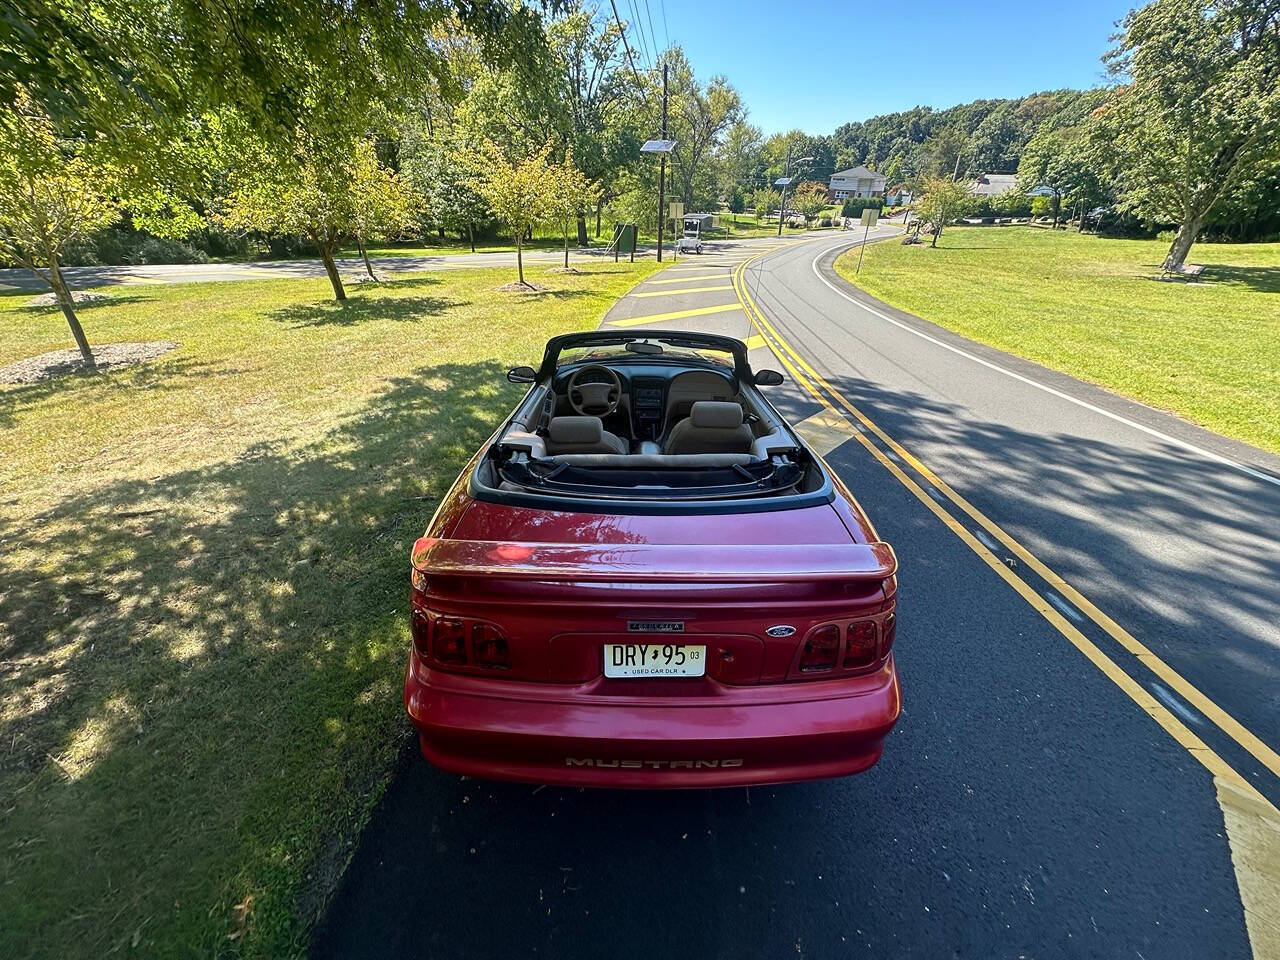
[519, 191]
[764, 200]
[308, 193]
[382, 204]
[571, 193]
[1197, 111]
[943, 201]
[737, 200]
[740, 160]
[50, 195]
[810, 200]
[444, 175]
[1061, 162]
[699, 118]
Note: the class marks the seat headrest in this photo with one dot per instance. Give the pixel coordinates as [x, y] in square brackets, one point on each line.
[716, 414]
[575, 430]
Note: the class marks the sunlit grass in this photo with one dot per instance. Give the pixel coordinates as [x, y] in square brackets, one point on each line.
[1091, 307]
[202, 590]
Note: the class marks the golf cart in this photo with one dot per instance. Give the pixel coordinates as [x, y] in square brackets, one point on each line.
[690, 240]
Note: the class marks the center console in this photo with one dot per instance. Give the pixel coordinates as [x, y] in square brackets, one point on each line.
[648, 407]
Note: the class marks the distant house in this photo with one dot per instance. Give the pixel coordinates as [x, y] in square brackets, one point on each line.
[855, 182]
[993, 184]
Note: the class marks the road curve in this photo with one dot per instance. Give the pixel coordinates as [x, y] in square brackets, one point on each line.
[1048, 793]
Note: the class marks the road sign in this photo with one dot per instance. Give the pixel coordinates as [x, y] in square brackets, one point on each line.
[676, 210]
[869, 217]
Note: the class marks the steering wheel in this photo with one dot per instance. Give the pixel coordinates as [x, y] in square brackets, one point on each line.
[594, 399]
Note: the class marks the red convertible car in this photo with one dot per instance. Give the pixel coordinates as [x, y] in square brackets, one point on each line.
[645, 578]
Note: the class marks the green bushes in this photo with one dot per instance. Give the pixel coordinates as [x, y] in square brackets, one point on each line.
[854, 206]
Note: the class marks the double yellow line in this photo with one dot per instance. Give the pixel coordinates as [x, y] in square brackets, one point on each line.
[824, 393]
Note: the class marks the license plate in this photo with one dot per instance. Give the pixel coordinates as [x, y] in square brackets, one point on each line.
[654, 660]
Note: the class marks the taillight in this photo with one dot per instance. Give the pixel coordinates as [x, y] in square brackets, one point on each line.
[860, 643]
[890, 628]
[821, 648]
[420, 627]
[450, 641]
[490, 648]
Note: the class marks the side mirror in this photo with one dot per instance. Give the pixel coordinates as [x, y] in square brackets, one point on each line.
[768, 378]
[523, 375]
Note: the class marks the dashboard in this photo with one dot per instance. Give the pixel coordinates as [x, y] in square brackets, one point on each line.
[654, 395]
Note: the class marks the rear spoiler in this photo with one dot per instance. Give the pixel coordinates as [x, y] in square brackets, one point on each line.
[654, 562]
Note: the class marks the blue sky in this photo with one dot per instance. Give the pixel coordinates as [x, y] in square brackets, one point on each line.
[807, 64]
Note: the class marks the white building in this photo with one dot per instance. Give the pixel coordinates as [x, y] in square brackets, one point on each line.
[855, 182]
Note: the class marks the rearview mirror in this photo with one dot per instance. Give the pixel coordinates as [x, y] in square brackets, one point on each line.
[768, 378]
[524, 375]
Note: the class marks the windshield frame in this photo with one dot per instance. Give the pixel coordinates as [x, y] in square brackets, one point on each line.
[675, 338]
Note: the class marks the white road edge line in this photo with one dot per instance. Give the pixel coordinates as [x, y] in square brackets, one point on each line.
[1208, 454]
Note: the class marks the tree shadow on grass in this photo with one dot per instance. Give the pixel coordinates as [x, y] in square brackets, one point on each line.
[1261, 279]
[162, 373]
[357, 310]
[218, 647]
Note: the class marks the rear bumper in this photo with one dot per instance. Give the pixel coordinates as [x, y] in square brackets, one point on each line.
[575, 736]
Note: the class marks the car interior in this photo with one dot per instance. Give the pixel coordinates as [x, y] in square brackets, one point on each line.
[628, 427]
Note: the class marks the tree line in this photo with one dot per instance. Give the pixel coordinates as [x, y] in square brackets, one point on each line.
[351, 123]
[337, 123]
[1186, 135]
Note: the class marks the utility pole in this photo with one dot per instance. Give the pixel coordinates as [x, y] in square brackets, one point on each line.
[782, 207]
[662, 167]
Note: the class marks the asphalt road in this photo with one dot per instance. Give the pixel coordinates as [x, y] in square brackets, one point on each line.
[79, 278]
[1051, 789]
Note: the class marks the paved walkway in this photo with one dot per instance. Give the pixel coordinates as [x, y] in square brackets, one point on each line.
[80, 278]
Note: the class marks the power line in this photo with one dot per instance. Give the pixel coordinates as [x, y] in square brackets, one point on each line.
[625, 46]
[665, 33]
[648, 12]
[644, 43]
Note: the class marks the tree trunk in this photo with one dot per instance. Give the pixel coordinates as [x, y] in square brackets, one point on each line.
[599, 214]
[1188, 231]
[471, 234]
[937, 232]
[583, 241]
[67, 304]
[368, 267]
[331, 268]
[440, 230]
[566, 244]
[520, 255]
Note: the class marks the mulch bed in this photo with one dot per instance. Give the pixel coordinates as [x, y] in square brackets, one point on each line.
[61, 363]
[84, 298]
[519, 287]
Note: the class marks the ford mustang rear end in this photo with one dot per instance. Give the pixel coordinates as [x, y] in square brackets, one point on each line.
[693, 600]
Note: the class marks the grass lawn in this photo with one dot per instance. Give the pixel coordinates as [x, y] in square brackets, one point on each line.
[1090, 307]
[203, 590]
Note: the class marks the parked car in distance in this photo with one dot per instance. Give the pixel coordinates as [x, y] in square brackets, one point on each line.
[646, 578]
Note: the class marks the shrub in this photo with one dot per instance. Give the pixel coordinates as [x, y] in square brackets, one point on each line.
[824, 222]
[854, 206]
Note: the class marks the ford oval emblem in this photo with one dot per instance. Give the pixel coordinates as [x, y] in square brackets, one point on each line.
[781, 630]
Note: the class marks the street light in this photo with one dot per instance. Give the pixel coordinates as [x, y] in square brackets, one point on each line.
[784, 181]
